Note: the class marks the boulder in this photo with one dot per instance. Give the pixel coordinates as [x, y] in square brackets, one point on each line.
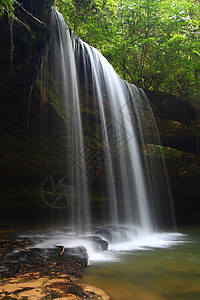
[116, 234]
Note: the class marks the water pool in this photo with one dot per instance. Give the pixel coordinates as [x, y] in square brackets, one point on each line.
[171, 272]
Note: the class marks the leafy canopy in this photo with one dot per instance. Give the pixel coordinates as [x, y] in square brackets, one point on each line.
[6, 6]
[152, 43]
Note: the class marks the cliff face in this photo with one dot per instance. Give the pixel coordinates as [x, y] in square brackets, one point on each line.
[32, 133]
[24, 149]
[179, 129]
[23, 40]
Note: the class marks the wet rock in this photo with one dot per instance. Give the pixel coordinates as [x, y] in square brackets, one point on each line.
[45, 261]
[116, 234]
[97, 242]
[79, 251]
[63, 253]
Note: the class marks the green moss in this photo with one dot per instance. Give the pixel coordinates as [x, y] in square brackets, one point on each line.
[161, 151]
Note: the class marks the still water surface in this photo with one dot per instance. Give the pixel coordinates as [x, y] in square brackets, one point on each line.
[171, 272]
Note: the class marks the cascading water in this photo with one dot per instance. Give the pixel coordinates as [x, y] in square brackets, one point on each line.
[60, 63]
[105, 81]
[110, 132]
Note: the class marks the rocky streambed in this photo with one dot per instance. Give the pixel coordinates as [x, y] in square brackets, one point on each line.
[27, 272]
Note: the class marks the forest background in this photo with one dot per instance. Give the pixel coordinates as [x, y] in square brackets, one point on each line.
[151, 43]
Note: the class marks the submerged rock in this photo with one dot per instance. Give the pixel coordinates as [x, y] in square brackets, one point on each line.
[116, 234]
[97, 242]
[79, 251]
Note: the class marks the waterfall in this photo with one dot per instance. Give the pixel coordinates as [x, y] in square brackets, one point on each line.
[110, 133]
[60, 64]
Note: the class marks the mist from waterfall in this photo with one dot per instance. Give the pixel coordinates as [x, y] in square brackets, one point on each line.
[110, 129]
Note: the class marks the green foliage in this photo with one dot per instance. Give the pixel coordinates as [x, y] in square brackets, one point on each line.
[6, 6]
[152, 43]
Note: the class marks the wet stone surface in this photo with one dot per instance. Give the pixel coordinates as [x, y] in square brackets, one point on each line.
[17, 257]
[38, 273]
[114, 233]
